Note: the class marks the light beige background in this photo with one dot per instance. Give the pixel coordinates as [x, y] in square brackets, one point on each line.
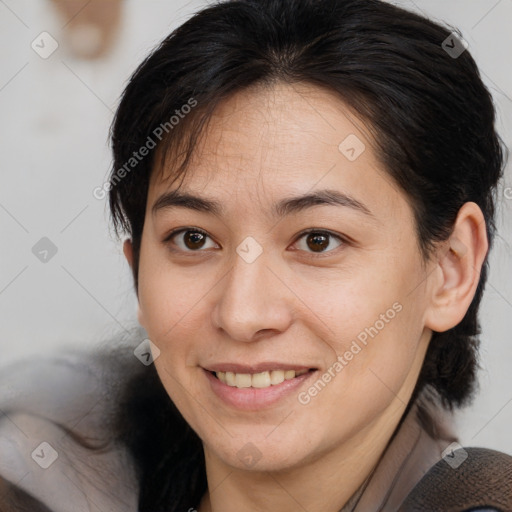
[54, 122]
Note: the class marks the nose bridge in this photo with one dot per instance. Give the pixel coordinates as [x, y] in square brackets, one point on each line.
[251, 300]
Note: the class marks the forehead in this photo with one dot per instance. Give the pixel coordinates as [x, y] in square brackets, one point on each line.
[266, 142]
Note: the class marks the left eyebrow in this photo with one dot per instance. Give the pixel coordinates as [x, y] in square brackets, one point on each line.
[284, 207]
[319, 198]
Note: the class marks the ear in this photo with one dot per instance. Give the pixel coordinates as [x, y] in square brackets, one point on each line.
[457, 271]
[128, 254]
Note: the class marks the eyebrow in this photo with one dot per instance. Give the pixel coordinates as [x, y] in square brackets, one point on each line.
[284, 207]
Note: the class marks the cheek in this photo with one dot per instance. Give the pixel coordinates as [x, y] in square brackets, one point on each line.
[349, 299]
[173, 306]
[170, 318]
[168, 298]
[371, 318]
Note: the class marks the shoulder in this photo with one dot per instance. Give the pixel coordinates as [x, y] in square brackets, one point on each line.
[466, 479]
[57, 440]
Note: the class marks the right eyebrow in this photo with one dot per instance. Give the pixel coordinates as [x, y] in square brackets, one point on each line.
[184, 200]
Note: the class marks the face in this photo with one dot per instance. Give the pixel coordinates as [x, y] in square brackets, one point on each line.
[287, 247]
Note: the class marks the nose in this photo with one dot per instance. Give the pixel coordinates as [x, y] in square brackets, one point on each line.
[252, 303]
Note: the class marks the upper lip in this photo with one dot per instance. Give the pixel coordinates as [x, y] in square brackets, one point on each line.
[254, 368]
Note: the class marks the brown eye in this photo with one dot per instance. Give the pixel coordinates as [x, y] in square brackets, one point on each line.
[189, 240]
[319, 242]
[194, 239]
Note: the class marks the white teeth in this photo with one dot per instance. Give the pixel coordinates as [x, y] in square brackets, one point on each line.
[276, 377]
[242, 380]
[289, 374]
[258, 380]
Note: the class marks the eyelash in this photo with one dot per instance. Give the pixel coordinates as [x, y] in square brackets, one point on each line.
[343, 240]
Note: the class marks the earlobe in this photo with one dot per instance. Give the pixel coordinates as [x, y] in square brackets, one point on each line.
[456, 276]
[128, 252]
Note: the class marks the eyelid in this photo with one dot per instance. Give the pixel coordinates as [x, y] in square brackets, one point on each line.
[344, 240]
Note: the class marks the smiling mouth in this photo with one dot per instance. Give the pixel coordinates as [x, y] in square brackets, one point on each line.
[258, 380]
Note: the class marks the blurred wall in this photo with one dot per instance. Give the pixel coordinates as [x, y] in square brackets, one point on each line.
[55, 116]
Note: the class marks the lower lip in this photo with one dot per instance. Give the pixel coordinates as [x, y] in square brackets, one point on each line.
[255, 398]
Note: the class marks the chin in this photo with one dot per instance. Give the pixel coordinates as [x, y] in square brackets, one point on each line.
[259, 452]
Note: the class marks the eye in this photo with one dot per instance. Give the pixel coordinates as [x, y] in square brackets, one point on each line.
[194, 239]
[191, 239]
[318, 241]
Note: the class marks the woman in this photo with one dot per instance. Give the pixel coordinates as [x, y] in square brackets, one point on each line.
[308, 190]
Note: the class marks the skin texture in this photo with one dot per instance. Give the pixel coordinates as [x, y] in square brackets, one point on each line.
[293, 304]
